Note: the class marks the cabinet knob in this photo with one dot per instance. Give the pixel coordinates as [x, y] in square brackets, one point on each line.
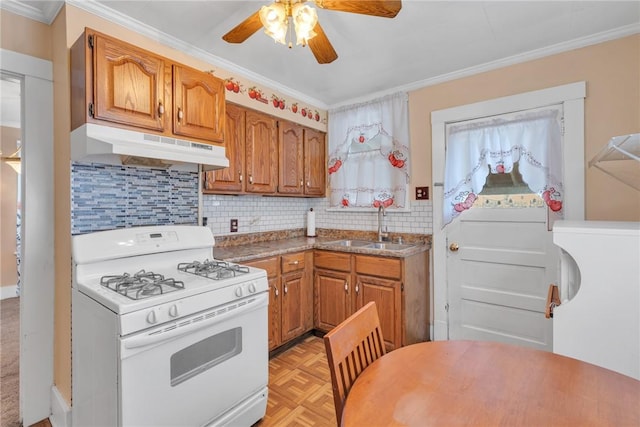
[275, 291]
[160, 108]
[180, 114]
[250, 179]
[240, 174]
[346, 287]
[296, 262]
[285, 289]
[301, 183]
[357, 287]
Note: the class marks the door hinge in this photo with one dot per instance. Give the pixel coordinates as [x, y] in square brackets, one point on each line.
[562, 125]
[91, 109]
[446, 307]
[90, 41]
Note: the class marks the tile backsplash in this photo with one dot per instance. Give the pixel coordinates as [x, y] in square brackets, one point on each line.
[258, 214]
[105, 197]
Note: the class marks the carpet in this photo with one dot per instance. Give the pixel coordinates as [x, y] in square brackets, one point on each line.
[9, 362]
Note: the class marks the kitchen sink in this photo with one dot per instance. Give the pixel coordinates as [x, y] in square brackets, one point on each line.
[368, 244]
[354, 243]
[388, 246]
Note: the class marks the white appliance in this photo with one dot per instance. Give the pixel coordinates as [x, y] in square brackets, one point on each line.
[598, 320]
[163, 334]
[111, 145]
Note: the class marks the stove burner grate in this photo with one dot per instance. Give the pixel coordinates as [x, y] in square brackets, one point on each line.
[216, 270]
[141, 285]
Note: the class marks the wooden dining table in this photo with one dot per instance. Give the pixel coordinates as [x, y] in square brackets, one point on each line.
[448, 383]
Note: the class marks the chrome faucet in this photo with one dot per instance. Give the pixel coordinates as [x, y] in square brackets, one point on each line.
[383, 236]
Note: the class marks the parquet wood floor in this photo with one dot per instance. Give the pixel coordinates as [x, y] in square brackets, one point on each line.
[300, 388]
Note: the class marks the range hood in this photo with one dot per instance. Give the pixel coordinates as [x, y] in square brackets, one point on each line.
[104, 144]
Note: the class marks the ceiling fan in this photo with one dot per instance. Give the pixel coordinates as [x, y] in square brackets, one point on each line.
[284, 16]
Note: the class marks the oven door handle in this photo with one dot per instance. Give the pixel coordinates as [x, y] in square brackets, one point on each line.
[186, 326]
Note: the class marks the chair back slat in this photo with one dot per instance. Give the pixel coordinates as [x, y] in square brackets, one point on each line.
[351, 347]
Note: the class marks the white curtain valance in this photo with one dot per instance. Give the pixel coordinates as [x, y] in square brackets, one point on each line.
[368, 161]
[533, 140]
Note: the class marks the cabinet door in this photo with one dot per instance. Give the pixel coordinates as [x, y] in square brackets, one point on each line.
[275, 308]
[261, 153]
[293, 303]
[198, 110]
[291, 145]
[387, 295]
[230, 178]
[314, 163]
[332, 302]
[128, 85]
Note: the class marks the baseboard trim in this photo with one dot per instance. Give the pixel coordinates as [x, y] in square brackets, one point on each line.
[8, 292]
[60, 411]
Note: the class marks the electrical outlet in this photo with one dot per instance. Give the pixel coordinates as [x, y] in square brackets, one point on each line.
[422, 193]
[234, 226]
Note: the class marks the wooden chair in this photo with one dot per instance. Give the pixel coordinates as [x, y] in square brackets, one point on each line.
[351, 347]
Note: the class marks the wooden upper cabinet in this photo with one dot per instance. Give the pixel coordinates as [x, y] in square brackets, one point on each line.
[302, 160]
[199, 106]
[118, 84]
[261, 153]
[128, 84]
[231, 179]
[291, 165]
[314, 163]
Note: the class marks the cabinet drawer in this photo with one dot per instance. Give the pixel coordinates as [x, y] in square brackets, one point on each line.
[379, 266]
[332, 260]
[269, 264]
[292, 262]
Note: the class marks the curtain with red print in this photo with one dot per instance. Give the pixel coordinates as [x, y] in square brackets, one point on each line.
[368, 160]
[534, 140]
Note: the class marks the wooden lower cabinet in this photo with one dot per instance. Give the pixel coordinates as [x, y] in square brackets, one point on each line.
[290, 295]
[344, 282]
[332, 298]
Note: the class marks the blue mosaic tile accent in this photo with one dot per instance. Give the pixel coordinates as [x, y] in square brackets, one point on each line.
[104, 197]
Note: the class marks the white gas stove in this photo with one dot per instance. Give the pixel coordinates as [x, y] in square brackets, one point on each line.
[174, 325]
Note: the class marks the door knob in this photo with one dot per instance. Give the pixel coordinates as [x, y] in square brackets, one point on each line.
[454, 247]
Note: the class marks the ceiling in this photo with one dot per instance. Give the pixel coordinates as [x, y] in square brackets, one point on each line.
[426, 43]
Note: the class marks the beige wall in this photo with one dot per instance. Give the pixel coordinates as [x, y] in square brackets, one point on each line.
[24, 35]
[612, 107]
[62, 207]
[8, 205]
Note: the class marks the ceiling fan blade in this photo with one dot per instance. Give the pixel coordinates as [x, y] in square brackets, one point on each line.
[321, 46]
[244, 30]
[383, 8]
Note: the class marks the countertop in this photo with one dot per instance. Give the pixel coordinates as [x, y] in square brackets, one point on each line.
[263, 249]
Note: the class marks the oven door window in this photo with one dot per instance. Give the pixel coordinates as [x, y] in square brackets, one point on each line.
[205, 354]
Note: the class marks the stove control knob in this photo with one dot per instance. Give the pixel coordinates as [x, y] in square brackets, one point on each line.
[252, 287]
[173, 311]
[151, 317]
[238, 291]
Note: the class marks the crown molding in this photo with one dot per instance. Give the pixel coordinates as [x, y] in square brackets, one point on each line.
[46, 13]
[116, 17]
[578, 43]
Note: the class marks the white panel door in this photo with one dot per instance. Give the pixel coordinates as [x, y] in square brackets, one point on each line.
[499, 276]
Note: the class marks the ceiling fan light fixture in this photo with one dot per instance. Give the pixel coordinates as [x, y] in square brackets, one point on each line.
[305, 19]
[274, 20]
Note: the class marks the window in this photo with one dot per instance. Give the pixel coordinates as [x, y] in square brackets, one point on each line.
[369, 157]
